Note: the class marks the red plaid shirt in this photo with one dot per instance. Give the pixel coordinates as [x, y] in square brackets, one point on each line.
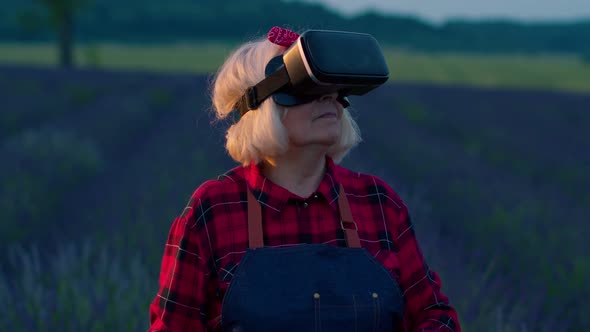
[207, 241]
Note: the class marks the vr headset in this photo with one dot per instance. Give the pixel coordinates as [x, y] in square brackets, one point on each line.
[320, 62]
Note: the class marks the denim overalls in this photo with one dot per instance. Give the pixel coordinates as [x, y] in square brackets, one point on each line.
[310, 287]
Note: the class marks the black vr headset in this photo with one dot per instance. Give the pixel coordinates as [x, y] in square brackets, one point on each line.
[320, 62]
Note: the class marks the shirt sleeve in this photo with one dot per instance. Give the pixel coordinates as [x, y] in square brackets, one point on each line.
[426, 307]
[180, 302]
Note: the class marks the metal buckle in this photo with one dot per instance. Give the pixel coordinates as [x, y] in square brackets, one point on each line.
[356, 228]
[251, 98]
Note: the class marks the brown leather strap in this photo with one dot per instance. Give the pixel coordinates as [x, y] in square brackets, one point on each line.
[347, 222]
[254, 222]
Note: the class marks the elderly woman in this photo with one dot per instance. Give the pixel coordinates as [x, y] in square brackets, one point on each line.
[289, 240]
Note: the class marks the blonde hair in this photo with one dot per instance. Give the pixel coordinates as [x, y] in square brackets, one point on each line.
[260, 134]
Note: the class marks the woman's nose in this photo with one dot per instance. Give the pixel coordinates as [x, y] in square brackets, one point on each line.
[329, 97]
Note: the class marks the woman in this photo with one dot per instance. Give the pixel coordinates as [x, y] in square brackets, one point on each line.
[290, 240]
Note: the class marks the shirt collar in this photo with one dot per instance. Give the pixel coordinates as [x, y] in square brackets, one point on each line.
[275, 197]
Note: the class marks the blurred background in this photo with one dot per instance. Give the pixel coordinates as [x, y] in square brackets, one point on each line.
[105, 132]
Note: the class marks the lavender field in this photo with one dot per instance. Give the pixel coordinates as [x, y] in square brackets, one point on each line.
[96, 164]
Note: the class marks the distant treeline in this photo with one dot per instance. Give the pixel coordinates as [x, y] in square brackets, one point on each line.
[157, 21]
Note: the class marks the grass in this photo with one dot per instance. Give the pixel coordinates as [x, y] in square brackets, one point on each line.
[86, 286]
[539, 238]
[554, 72]
[96, 285]
[543, 71]
[194, 58]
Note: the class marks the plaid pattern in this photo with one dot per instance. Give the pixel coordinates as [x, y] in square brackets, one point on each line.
[207, 241]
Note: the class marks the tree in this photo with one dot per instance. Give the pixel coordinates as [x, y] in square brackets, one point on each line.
[61, 17]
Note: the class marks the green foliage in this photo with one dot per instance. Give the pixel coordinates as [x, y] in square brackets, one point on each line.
[487, 185]
[24, 87]
[39, 166]
[161, 98]
[59, 9]
[31, 21]
[473, 146]
[104, 286]
[82, 287]
[150, 20]
[11, 121]
[82, 95]
[414, 111]
[91, 56]
[511, 71]
[61, 15]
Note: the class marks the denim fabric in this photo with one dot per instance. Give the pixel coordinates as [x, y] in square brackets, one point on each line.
[311, 287]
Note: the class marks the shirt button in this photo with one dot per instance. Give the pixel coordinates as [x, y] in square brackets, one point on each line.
[315, 196]
[305, 204]
[375, 295]
[316, 296]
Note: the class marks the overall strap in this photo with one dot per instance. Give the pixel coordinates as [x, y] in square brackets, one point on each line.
[255, 238]
[347, 222]
[255, 233]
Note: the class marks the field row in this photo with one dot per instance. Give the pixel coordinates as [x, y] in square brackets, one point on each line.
[542, 71]
[495, 181]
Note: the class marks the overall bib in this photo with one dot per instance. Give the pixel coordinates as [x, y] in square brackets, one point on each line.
[310, 287]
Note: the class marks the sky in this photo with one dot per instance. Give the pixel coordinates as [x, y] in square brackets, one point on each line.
[438, 11]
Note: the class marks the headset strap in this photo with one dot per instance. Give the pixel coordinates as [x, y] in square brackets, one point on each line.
[256, 94]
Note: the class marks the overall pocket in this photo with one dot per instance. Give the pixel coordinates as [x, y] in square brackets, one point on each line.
[354, 313]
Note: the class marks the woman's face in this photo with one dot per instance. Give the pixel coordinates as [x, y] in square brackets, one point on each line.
[316, 123]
